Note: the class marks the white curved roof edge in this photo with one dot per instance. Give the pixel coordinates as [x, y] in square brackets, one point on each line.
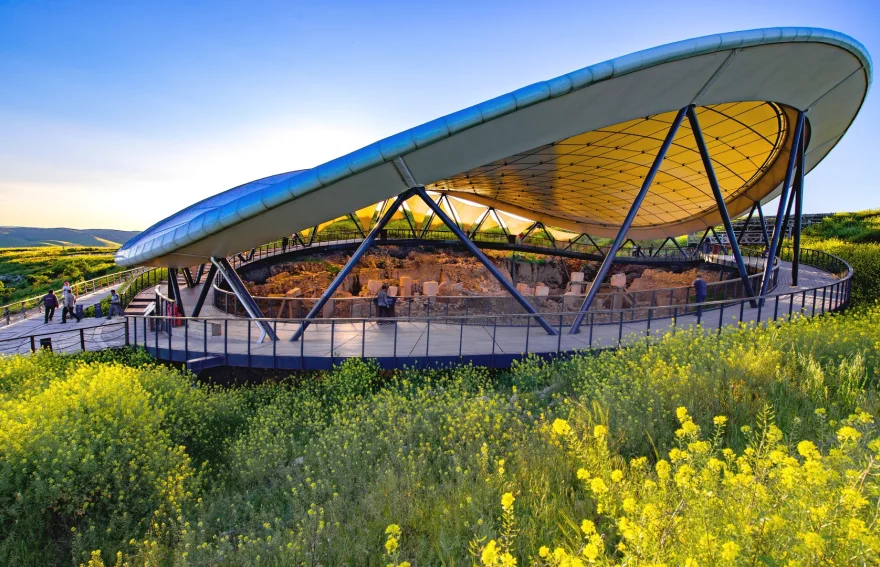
[182, 229]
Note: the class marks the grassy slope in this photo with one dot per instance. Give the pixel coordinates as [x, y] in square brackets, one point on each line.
[133, 459]
[33, 271]
[17, 236]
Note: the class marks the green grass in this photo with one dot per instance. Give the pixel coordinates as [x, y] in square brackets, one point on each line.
[860, 227]
[128, 456]
[28, 272]
[755, 446]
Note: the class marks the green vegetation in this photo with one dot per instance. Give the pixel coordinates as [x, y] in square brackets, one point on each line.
[755, 446]
[860, 227]
[29, 272]
[19, 236]
[129, 457]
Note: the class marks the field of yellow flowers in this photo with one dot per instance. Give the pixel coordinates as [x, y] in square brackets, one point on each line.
[750, 447]
[755, 447]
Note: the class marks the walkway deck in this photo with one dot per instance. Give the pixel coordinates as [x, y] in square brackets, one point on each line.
[66, 337]
[419, 341]
[216, 338]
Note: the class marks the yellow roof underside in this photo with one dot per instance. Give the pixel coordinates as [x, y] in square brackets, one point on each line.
[594, 177]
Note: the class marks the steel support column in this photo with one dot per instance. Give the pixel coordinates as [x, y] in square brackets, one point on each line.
[627, 222]
[675, 242]
[365, 244]
[479, 223]
[209, 283]
[702, 239]
[188, 277]
[473, 249]
[719, 200]
[798, 210]
[763, 224]
[745, 228]
[787, 220]
[357, 223]
[175, 290]
[241, 292]
[199, 274]
[783, 199]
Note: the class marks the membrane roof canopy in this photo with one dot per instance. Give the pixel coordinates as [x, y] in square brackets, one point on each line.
[571, 152]
[594, 177]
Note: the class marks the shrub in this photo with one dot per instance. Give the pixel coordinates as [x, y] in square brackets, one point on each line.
[86, 463]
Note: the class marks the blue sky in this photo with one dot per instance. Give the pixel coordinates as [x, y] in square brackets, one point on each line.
[117, 114]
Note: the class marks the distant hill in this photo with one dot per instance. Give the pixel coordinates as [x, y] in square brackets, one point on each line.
[20, 236]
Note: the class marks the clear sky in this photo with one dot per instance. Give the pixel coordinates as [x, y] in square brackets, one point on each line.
[117, 114]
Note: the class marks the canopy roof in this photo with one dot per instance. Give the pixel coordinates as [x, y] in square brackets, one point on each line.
[571, 152]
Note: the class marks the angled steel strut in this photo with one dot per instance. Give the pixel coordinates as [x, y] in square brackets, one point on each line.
[719, 200]
[206, 287]
[627, 222]
[783, 201]
[241, 292]
[798, 210]
[472, 248]
[174, 286]
[365, 244]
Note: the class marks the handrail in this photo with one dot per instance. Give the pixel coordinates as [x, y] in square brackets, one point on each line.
[20, 307]
[834, 296]
[843, 264]
[226, 301]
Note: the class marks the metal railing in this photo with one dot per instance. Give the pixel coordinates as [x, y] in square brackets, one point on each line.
[496, 341]
[33, 305]
[100, 337]
[150, 278]
[426, 306]
[492, 340]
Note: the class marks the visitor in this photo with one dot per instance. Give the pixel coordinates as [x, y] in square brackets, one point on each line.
[115, 304]
[635, 250]
[700, 291]
[383, 304]
[65, 288]
[50, 302]
[284, 242]
[68, 301]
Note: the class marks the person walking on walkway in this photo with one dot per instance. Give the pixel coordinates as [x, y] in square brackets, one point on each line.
[69, 301]
[700, 292]
[115, 304]
[382, 304]
[50, 302]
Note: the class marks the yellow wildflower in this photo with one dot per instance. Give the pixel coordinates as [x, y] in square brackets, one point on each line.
[507, 500]
[847, 433]
[490, 553]
[561, 427]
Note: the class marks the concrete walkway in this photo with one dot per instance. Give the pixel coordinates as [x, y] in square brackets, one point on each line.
[236, 339]
[15, 337]
[483, 339]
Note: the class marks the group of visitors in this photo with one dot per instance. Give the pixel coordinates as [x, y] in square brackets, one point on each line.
[68, 302]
